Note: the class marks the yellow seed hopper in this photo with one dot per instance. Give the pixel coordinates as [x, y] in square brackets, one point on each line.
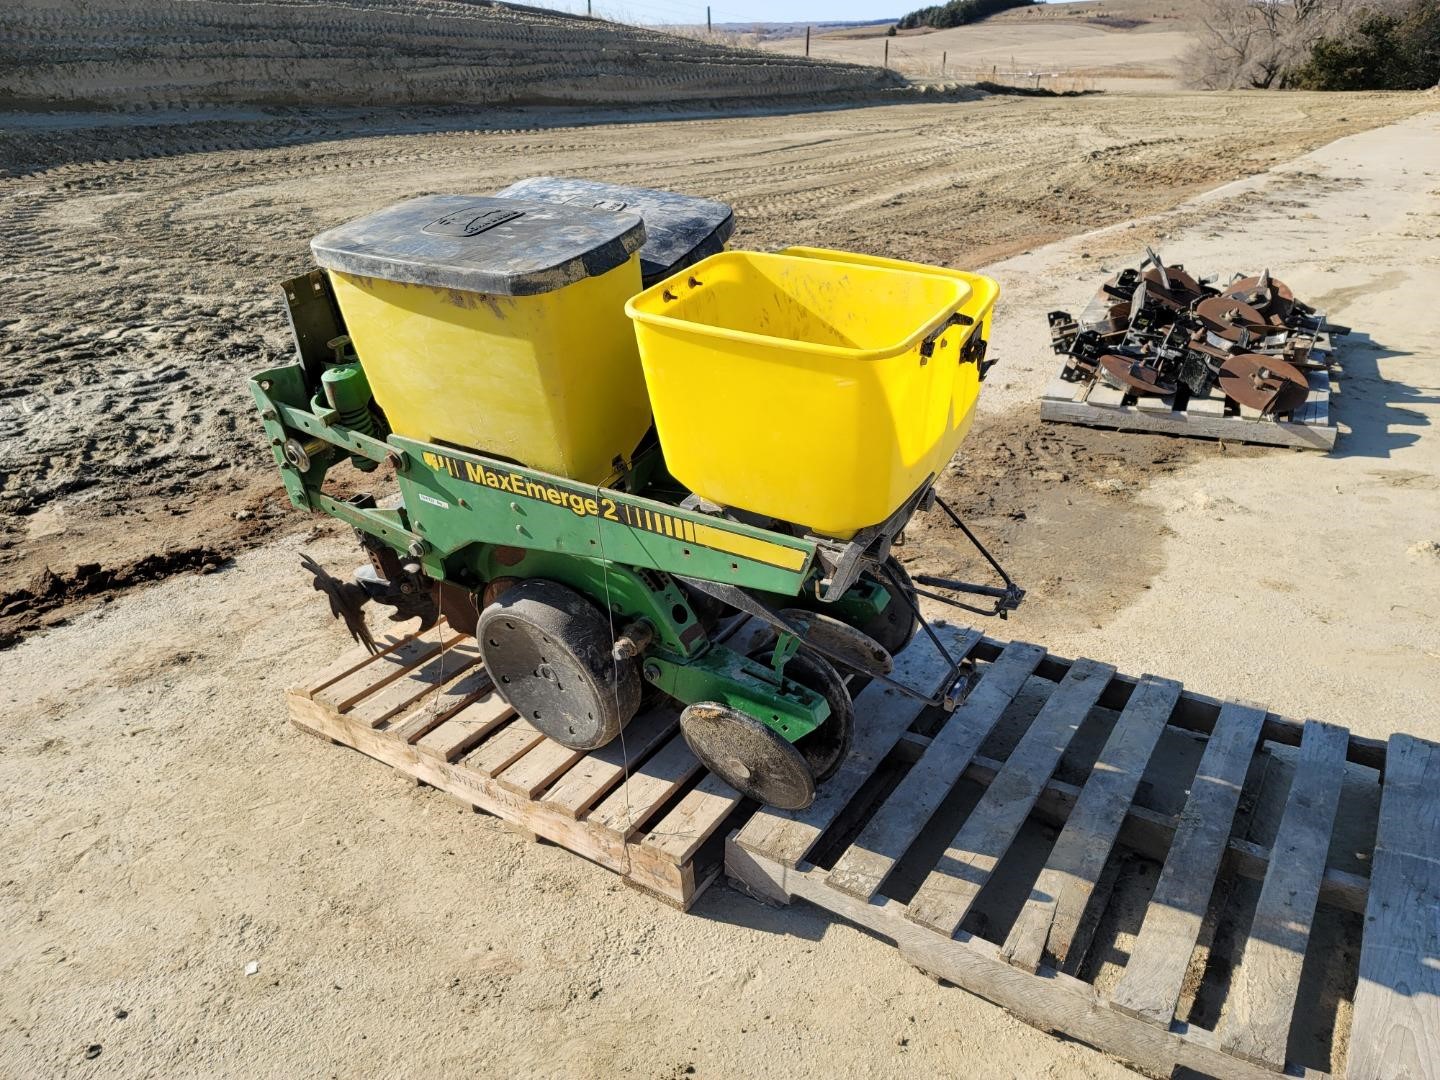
[812, 386]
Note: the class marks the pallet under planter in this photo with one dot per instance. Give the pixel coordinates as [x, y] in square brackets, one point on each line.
[875, 849]
[426, 707]
[1097, 404]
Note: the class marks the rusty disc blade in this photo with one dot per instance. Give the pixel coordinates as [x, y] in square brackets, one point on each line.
[1230, 319]
[1270, 296]
[1182, 290]
[1264, 383]
[1123, 373]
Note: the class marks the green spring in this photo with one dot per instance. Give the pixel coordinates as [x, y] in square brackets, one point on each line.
[361, 420]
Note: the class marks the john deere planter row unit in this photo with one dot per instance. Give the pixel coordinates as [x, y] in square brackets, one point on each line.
[616, 443]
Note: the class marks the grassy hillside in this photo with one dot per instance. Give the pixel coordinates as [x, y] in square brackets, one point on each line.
[168, 53]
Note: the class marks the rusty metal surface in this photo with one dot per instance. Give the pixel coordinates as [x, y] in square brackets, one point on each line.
[1232, 319]
[1127, 373]
[1154, 328]
[1263, 382]
[1270, 296]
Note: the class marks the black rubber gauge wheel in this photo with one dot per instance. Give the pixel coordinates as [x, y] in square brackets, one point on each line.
[548, 650]
[747, 755]
[895, 625]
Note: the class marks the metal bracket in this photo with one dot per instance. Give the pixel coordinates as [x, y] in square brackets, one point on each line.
[927, 344]
[869, 546]
[315, 320]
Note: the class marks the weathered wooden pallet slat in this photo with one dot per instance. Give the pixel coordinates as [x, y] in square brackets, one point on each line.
[1053, 1002]
[1034, 966]
[864, 866]
[1053, 913]
[790, 835]
[504, 748]
[594, 775]
[694, 818]
[1098, 404]
[426, 707]
[627, 808]
[383, 669]
[441, 704]
[459, 733]
[1155, 973]
[417, 683]
[350, 661]
[1395, 1031]
[947, 894]
[1256, 1025]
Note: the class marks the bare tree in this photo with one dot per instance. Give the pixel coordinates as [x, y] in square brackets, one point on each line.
[1251, 44]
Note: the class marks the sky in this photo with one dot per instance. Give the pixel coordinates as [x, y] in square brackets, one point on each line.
[692, 12]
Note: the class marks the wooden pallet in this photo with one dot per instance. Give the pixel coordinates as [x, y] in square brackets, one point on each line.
[643, 806]
[916, 840]
[1097, 404]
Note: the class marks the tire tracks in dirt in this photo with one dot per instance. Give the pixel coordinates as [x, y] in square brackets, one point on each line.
[140, 284]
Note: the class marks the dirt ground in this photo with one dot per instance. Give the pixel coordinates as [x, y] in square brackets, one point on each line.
[167, 829]
[140, 280]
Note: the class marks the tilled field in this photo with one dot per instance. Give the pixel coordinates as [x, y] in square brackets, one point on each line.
[139, 283]
[158, 53]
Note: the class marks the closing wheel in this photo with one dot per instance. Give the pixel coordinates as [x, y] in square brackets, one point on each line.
[548, 650]
[747, 755]
[825, 747]
[895, 625]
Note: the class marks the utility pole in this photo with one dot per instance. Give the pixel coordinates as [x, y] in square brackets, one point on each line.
[887, 54]
[589, 10]
[707, 18]
[807, 41]
[943, 55]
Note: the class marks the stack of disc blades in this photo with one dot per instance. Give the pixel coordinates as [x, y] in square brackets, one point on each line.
[1154, 329]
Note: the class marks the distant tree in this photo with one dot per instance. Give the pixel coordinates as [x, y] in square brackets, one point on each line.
[1254, 44]
[1397, 48]
[958, 13]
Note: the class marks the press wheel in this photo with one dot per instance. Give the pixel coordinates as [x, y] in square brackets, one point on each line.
[749, 756]
[895, 625]
[755, 759]
[825, 747]
[548, 650]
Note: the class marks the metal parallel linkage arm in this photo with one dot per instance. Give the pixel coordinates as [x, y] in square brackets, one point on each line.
[1007, 597]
